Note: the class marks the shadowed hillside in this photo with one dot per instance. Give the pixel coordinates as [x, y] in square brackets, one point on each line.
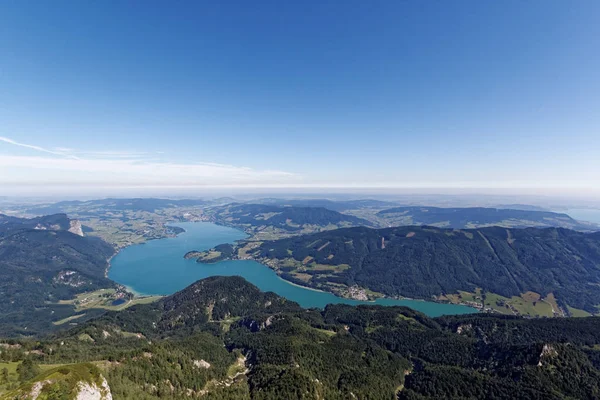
[41, 262]
[425, 261]
[221, 338]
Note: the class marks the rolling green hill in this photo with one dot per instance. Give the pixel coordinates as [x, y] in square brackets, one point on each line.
[423, 262]
[478, 217]
[221, 338]
[267, 221]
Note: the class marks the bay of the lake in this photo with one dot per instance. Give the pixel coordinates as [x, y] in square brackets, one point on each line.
[157, 267]
[585, 214]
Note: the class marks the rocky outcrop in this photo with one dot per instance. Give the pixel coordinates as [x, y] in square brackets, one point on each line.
[75, 227]
[85, 390]
[70, 278]
[91, 391]
[36, 389]
[201, 364]
[548, 351]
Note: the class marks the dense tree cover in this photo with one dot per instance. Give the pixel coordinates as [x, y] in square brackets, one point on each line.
[471, 217]
[259, 346]
[54, 222]
[483, 356]
[424, 261]
[27, 370]
[41, 263]
[288, 218]
[217, 299]
[509, 329]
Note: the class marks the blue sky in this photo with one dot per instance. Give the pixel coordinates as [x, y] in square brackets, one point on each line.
[440, 94]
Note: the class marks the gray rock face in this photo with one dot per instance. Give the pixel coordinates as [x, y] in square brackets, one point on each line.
[89, 391]
[75, 227]
[86, 390]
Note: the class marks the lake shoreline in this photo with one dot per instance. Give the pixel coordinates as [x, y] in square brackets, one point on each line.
[120, 249]
[158, 268]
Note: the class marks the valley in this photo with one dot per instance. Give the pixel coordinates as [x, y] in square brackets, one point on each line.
[123, 223]
[288, 200]
[160, 268]
[273, 293]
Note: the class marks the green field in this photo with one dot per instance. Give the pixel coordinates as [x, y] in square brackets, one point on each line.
[13, 378]
[529, 303]
[531, 307]
[327, 267]
[103, 298]
[211, 255]
[578, 313]
[68, 319]
[60, 381]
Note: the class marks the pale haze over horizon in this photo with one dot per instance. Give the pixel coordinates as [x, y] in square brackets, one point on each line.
[480, 97]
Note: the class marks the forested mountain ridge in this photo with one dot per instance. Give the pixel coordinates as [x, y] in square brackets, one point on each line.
[479, 217]
[268, 221]
[42, 262]
[55, 222]
[335, 205]
[423, 262]
[221, 338]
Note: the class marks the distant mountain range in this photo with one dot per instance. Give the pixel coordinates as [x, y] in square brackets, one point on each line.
[335, 205]
[42, 262]
[280, 220]
[367, 212]
[136, 204]
[478, 217]
[222, 338]
[517, 206]
[375, 213]
[424, 262]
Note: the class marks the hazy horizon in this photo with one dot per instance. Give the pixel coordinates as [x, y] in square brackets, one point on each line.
[423, 197]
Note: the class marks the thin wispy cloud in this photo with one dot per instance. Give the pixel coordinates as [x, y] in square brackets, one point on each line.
[110, 154]
[123, 168]
[63, 166]
[77, 154]
[35, 169]
[37, 148]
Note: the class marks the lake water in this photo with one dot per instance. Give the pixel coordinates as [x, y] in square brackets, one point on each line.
[158, 267]
[585, 214]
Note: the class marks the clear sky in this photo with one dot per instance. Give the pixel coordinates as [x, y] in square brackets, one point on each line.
[442, 94]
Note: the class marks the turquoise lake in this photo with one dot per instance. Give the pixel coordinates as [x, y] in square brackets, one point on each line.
[158, 267]
[585, 214]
